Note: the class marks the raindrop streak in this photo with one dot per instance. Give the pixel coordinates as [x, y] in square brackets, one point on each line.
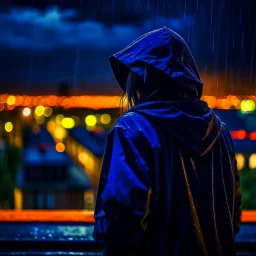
[211, 12]
[219, 21]
[197, 4]
[31, 64]
[185, 8]
[242, 44]
[233, 39]
[253, 45]
[81, 3]
[226, 56]
[213, 42]
[76, 64]
[113, 6]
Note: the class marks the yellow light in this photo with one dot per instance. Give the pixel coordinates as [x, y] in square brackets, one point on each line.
[83, 158]
[47, 112]
[39, 111]
[40, 120]
[68, 122]
[90, 120]
[105, 119]
[51, 126]
[247, 105]
[26, 112]
[60, 133]
[59, 119]
[252, 161]
[240, 161]
[18, 199]
[60, 147]
[8, 126]
[11, 100]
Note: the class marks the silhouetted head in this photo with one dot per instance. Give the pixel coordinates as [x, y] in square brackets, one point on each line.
[157, 66]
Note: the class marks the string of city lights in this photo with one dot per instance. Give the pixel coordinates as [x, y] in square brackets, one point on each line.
[10, 102]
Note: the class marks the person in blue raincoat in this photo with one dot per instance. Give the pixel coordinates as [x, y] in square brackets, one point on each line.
[169, 183]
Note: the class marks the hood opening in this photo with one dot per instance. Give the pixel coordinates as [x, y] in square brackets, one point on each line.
[167, 55]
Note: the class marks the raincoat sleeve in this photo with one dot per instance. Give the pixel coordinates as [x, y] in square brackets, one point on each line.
[124, 190]
[238, 196]
[238, 202]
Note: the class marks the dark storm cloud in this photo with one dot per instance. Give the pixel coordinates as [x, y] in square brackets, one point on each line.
[26, 28]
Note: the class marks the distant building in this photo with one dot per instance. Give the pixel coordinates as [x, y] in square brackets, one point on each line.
[87, 148]
[48, 179]
[242, 127]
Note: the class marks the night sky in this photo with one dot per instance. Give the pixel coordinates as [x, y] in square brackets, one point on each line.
[44, 42]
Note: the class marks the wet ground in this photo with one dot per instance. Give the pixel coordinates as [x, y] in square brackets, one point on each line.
[76, 239]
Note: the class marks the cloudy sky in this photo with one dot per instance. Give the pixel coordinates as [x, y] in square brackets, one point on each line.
[45, 42]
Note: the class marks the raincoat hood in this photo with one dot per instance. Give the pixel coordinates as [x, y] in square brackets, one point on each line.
[165, 51]
[193, 123]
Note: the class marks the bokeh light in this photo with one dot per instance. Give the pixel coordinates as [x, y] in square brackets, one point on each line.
[51, 126]
[26, 111]
[240, 161]
[47, 112]
[83, 158]
[59, 119]
[105, 119]
[238, 135]
[247, 106]
[91, 120]
[39, 111]
[8, 126]
[68, 122]
[11, 100]
[252, 161]
[60, 133]
[60, 147]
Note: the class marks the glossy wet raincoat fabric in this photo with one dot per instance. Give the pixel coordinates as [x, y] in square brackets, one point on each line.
[169, 183]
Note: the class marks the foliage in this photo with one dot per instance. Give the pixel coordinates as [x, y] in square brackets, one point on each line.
[9, 164]
[248, 187]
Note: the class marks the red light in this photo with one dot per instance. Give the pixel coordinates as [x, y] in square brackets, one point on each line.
[252, 136]
[238, 135]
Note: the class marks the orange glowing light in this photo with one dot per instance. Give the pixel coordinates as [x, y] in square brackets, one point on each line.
[10, 107]
[238, 135]
[60, 147]
[101, 101]
[4, 97]
[1, 106]
[52, 100]
[27, 101]
[252, 135]
[19, 100]
[82, 216]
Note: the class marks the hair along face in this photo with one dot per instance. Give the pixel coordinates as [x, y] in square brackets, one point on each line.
[155, 87]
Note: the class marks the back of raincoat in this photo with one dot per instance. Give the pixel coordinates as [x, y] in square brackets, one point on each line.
[169, 183]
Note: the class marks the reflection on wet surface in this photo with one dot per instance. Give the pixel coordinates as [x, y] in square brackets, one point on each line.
[31, 238]
[41, 231]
